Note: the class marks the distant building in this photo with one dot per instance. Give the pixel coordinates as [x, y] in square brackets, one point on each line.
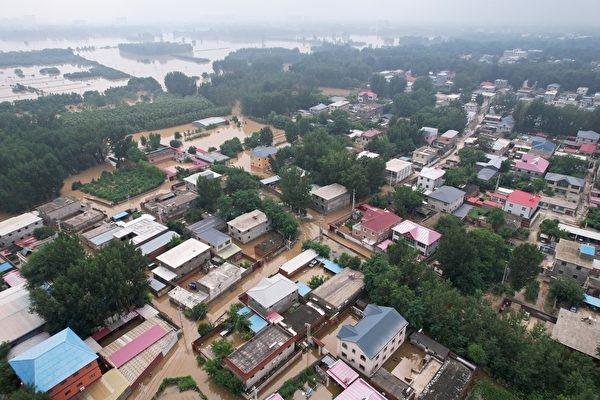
[59, 209]
[369, 343]
[162, 153]
[367, 95]
[261, 156]
[430, 178]
[429, 134]
[274, 294]
[329, 198]
[319, 108]
[209, 122]
[397, 171]
[448, 138]
[420, 238]
[62, 365]
[587, 137]
[16, 228]
[339, 105]
[339, 291]
[249, 226]
[532, 165]
[367, 136]
[446, 199]
[565, 184]
[185, 257]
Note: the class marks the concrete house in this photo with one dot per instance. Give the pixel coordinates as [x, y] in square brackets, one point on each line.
[522, 204]
[260, 157]
[397, 170]
[420, 238]
[185, 258]
[367, 136]
[339, 291]
[532, 165]
[376, 224]
[565, 184]
[329, 198]
[219, 280]
[429, 134]
[369, 343]
[192, 180]
[276, 293]
[170, 205]
[256, 359]
[424, 155]
[446, 199]
[249, 226]
[430, 178]
[59, 209]
[587, 137]
[574, 260]
[16, 228]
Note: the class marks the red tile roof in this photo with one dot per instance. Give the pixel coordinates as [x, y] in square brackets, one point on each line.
[531, 162]
[378, 220]
[371, 133]
[588, 148]
[524, 199]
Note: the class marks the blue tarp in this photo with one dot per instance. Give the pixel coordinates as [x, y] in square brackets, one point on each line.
[592, 301]
[257, 323]
[5, 267]
[303, 288]
[330, 265]
[588, 250]
[120, 216]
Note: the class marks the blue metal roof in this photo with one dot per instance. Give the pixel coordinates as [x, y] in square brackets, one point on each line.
[52, 361]
[592, 301]
[588, 250]
[330, 265]
[257, 323]
[119, 216]
[303, 288]
[375, 330]
[5, 267]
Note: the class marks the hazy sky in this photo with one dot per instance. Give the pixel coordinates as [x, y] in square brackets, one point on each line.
[415, 12]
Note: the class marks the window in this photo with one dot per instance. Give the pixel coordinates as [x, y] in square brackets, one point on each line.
[344, 345]
[344, 354]
[578, 268]
[353, 351]
[362, 357]
[574, 276]
[362, 367]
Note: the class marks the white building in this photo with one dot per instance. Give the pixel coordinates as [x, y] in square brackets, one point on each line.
[276, 293]
[16, 228]
[220, 279]
[192, 180]
[446, 199]
[430, 178]
[329, 198]
[249, 226]
[185, 258]
[397, 170]
[369, 343]
[522, 204]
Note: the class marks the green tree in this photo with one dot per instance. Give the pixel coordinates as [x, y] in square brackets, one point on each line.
[179, 83]
[197, 312]
[406, 201]
[322, 249]
[231, 147]
[378, 84]
[237, 322]
[532, 290]
[209, 191]
[8, 379]
[347, 261]
[295, 188]
[550, 228]
[524, 264]
[316, 281]
[175, 143]
[566, 290]
[204, 328]
[265, 136]
[43, 232]
[496, 218]
[476, 353]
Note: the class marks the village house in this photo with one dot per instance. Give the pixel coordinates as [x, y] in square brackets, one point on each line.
[565, 184]
[397, 170]
[367, 136]
[59, 209]
[209, 122]
[185, 258]
[424, 155]
[573, 260]
[192, 180]
[375, 225]
[369, 343]
[170, 205]
[62, 365]
[218, 280]
[420, 238]
[261, 156]
[17, 228]
[587, 137]
[162, 153]
[500, 146]
[429, 134]
[532, 165]
[579, 330]
[446, 199]
[522, 204]
[339, 105]
[329, 198]
[319, 108]
[249, 226]
[447, 138]
[430, 178]
[17, 322]
[339, 291]
[82, 221]
[366, 95]
[256, 359]
[274, 294]
[566, 205]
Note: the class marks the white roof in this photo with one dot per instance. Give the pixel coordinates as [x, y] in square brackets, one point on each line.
[210, 121]
[16, 320]
[183, 253]
[368, 154]
[339, 104]
[193, 179]
[499, 144]
[450, 134]
[164, 273]
[271, 290]
[19, 222]
[329, 192]
[432, 173]
[396, 165]
[143, 228]
[187, 299]
[248, 221]
[221, 275]
[291, 266]
[574, 230]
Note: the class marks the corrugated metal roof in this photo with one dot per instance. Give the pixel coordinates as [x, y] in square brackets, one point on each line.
[16, 320]
[136, 346]
[52, 361]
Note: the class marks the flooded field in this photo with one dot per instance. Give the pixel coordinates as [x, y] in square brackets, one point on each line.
[46, 84]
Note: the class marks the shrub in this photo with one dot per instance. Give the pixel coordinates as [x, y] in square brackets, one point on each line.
[197, 312]
[204, 328]
[175, 143]
[43, 232]
[532, 290]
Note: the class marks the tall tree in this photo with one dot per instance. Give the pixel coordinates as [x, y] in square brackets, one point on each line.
[295, 188]
[209, 191]
[406, 200]
[524, 264]
[181, 84]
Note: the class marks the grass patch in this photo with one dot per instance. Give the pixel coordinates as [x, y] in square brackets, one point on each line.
[125, 182]
[289, 387]
[486, 390]
[183, 383]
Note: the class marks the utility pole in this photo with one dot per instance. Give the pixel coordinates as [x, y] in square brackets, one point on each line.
[353, 198]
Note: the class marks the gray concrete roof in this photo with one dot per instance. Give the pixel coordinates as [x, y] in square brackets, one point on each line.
[447, 194]
[571, 180]
[252, 353]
